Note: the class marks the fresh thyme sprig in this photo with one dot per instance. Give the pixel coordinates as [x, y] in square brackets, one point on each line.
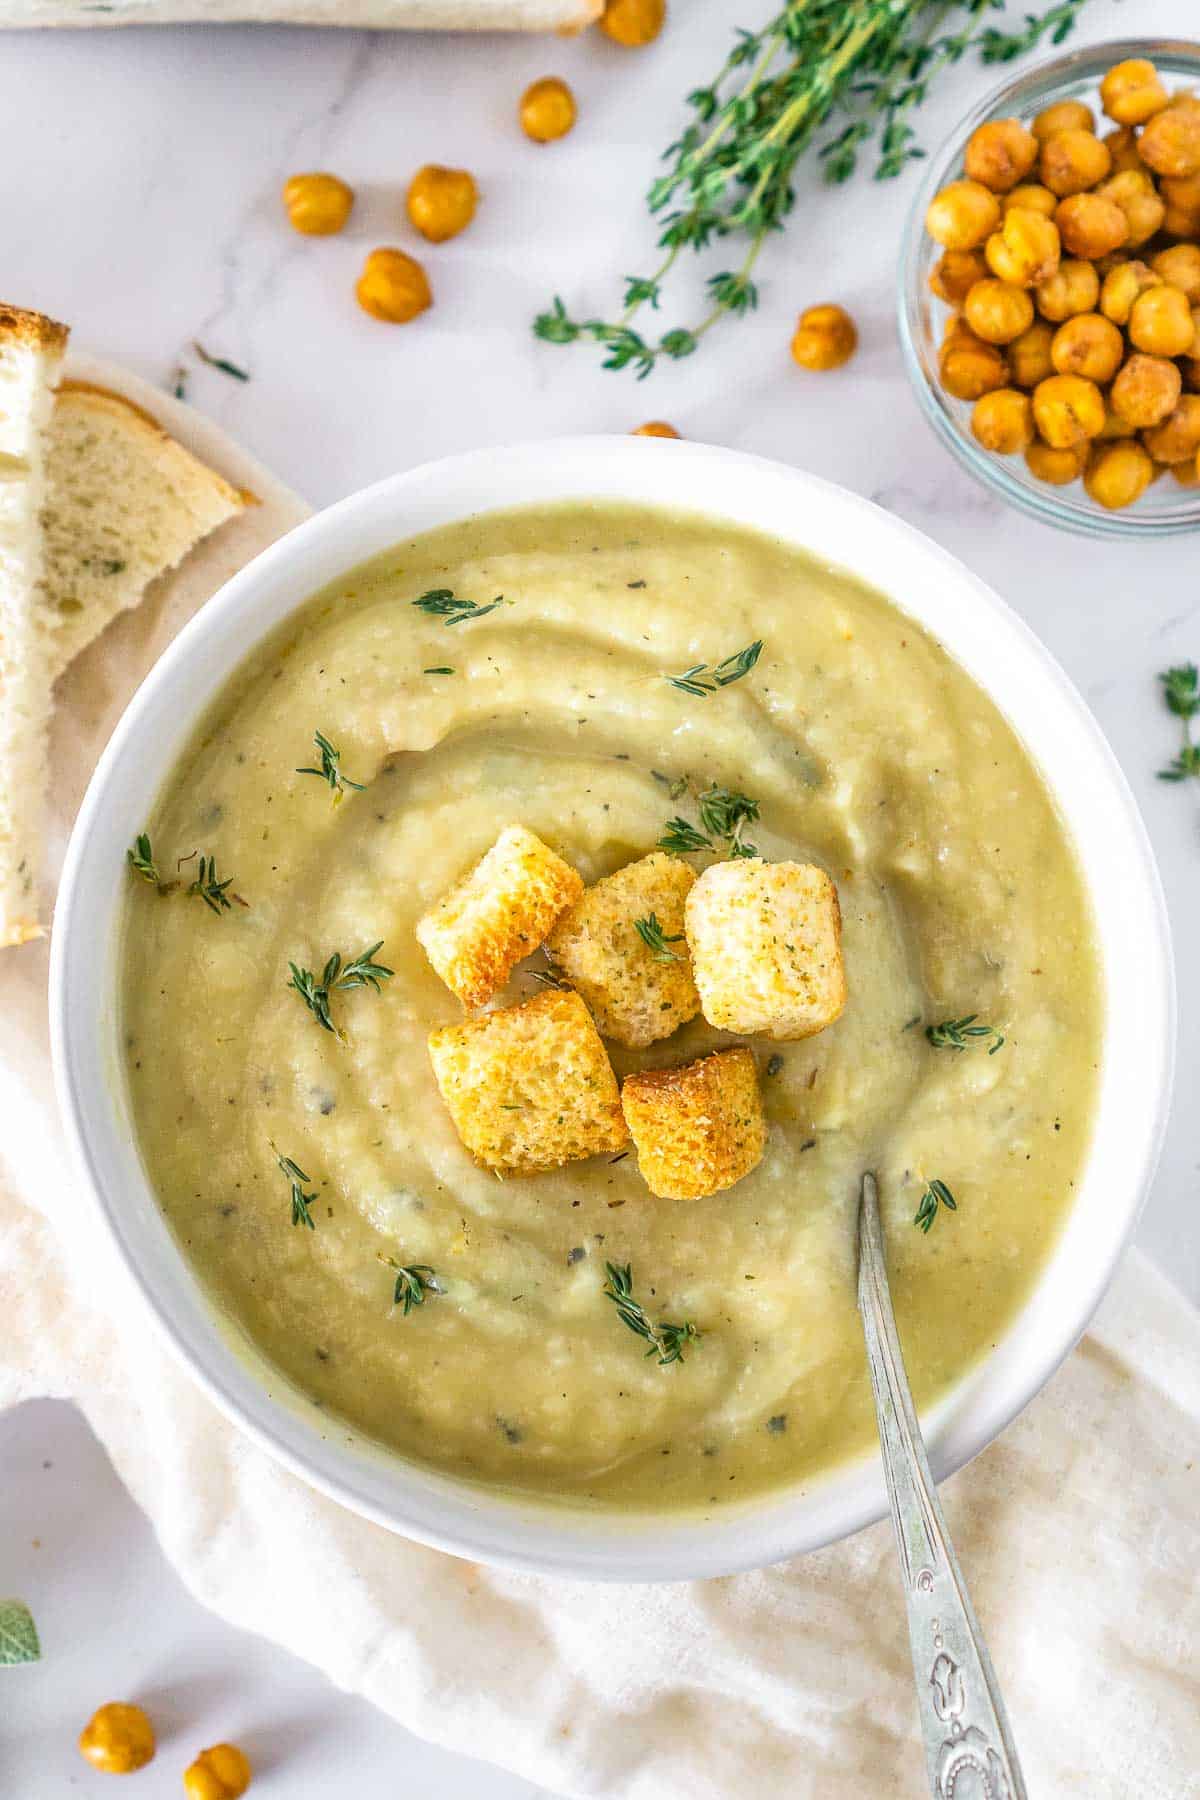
[682, 839]
[337, 977]
[724, 813]
[141, 858]
[1181, 691]
[730, 171]
[656, 940]
[413, 1282]
[444, 603]
[301, 1202]
[666, 1341]
[936, 1194]
[957, 1034]
[329, 770]
[702, 681]
[209, 889]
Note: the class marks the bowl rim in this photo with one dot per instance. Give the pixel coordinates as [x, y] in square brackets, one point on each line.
[444, 1512]
[1061, 507]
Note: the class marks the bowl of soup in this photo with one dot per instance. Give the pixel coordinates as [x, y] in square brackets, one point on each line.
[562, 637]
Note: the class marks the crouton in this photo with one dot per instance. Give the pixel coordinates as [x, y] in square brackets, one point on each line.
[766, 943]
[497, 914]
[638, 992]
[530, 1087]
[697, 1129]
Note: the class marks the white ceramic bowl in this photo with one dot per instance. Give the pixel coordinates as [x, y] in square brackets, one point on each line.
[985, 637]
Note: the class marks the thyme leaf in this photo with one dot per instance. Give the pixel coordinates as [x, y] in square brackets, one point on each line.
[656, 940]
[219, 362]
[413, 1281]
[701, 681]
[141, 859]
[666, 1341]
[936, 1194]
[1181, 691]
[209, 889]
[301, 1202]
[444, 603]
[329, 770]
[681, 839]
[957, 1034]
[337, 977]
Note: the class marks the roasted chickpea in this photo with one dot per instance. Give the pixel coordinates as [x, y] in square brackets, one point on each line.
[1064, 115]
[999, 154]
[962, 215]
[1073, 288]
[654, 428]
[1029, 355]
[634, 23]
[220, 1773]
[971, 368]
[1182, 192]
[1160, 321]
[1058, 467]
[825, 338]
[1170, 141]
[1122, 146]
[1181, 222]
[1072, 161]
[1114, 427]
[1121, 287]
[1033, 198]
[955, 274]
[1177, 438]
[1068, 410]
[1138, 199]
[117, 1739]
[547, 110]
[1180, 267]
[1118, 474]
[1146, 390]
[998, 312]
[1187, 474]
[1025, 250]
[1131, 92]
[1090, 225]
[1190, 364]
[441, 202]
[317, 205]
[1089, 344]
[393, 287]
[1003, 421]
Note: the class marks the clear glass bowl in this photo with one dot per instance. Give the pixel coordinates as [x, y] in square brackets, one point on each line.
[1165, 508]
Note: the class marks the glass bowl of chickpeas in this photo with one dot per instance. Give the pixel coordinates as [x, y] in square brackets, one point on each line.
[1050, 290]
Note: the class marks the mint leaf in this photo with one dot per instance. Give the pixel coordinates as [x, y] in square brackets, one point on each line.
[18, 1634]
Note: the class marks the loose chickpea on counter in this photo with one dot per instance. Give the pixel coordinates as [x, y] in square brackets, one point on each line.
[393, 287]
[633, 23]
[547, 110]
[825, 338]
[118, 1739]
[317, 205]
[220, 1773]
[441, 202]
[655, 428]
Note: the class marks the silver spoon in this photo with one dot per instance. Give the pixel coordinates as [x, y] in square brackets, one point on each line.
[963, 1721]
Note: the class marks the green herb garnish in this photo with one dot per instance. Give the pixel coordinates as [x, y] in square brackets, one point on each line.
[18, 1635]
[681, 839]
[656, 940]
[337, 977]
[209, 889]
[666, 1341]
[301, 1202]
[702, 681]
[1181, 691]
[443, 671]
[957, 1034]
[219, 362]
[444, 603]
[936, 1194]
[329, 770]
[725, 813]
[730, 171]
[412, 1283]
[141, 858]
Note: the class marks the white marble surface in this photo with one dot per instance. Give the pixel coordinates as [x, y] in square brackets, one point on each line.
[140, 202]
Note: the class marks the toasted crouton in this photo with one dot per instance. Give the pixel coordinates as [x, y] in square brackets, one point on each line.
[530, 1087]
[499, 913]
[637, 995]
[697, 1129]
[766, 943]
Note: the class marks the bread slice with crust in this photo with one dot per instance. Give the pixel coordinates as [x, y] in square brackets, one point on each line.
[31, 352]
[124, 504]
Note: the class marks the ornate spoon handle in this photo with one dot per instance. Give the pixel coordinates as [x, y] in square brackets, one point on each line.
[963, 1720]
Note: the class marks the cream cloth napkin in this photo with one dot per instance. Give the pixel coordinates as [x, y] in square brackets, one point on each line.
[1079, 1530]
[408, 15]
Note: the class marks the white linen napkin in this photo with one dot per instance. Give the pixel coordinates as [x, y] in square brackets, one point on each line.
[387, 15]
[1079, 1529]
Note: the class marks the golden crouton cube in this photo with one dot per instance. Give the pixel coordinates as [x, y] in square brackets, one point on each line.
[530, 1087]
[766, 943]
[697, 1129]
[499, 913]
[638, 982]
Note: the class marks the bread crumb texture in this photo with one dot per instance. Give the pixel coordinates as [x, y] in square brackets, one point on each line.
[766, 944]
[498, 914]
[635, 996]
[697, 1129]
[530, 1087]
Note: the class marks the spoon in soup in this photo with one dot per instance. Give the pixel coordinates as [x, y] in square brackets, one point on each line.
[963, 1721]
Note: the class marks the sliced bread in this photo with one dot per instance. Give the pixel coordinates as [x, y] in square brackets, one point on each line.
[124, 503]
[31, 351]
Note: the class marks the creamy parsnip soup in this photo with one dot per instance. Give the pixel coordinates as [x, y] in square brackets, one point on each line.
[360, 765]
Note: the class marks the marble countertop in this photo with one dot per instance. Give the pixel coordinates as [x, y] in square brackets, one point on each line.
[143, 208]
